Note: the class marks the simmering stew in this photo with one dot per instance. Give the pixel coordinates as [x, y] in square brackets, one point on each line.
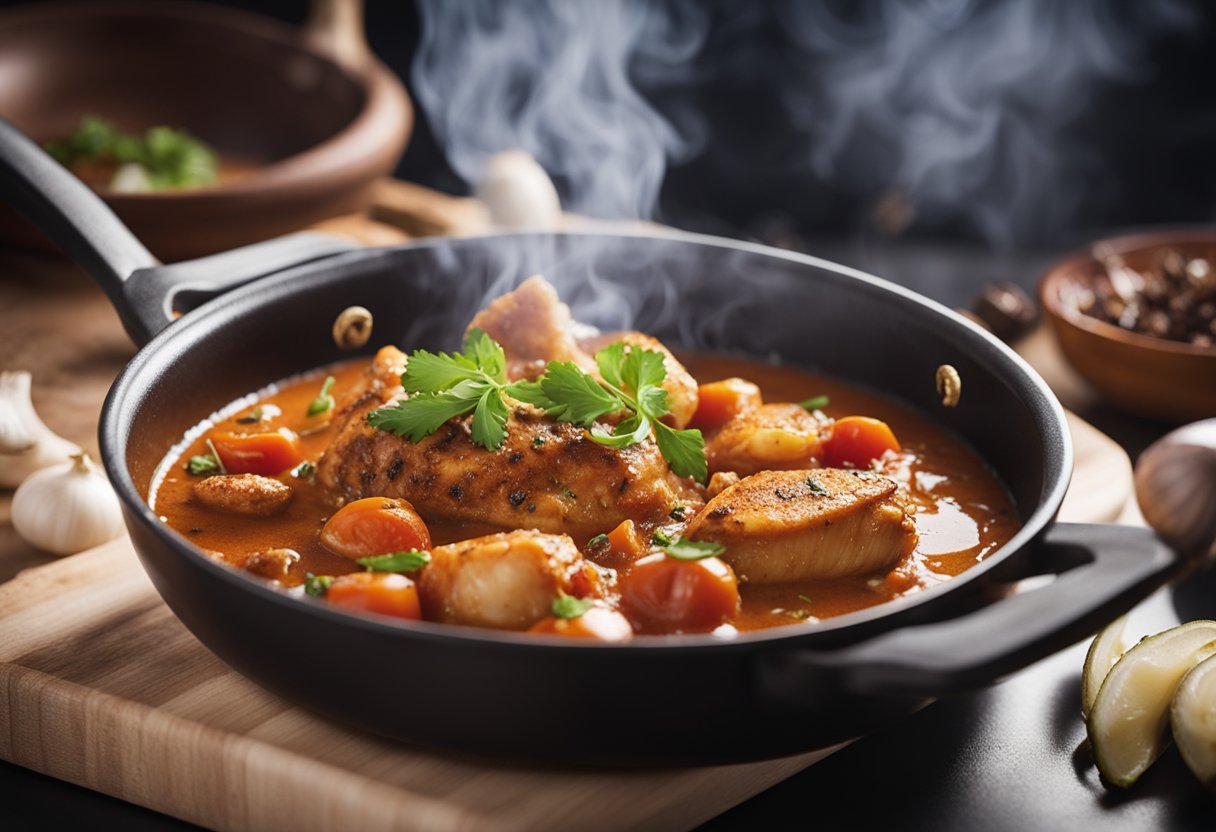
[592, 486]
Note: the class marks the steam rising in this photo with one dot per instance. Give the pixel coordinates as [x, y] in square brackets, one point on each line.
[557, 79]
[944, 113]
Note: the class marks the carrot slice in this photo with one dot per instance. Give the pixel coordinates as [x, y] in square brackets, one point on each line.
[720, 401]
[598, 623]
[385, 593]
[856, 441]
[268, 454]
[375, 526]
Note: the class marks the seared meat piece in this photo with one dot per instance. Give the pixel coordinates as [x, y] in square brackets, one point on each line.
[250, 495]
[534, 327]
[780, 526]
[550, 476]
[768, 437]
[507, 581]
[274, 564]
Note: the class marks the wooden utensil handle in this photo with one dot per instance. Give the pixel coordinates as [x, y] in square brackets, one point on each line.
[336, 26]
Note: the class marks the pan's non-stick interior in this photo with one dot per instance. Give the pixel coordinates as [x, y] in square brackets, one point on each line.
[690, 292]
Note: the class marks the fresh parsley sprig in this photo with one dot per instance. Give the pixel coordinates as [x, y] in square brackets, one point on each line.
[631, 383]
[443, 386]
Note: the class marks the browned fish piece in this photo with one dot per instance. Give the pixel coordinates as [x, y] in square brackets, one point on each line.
[547, 475]
[780, 526]
[251, 495]
[768, 437]
[507, 581]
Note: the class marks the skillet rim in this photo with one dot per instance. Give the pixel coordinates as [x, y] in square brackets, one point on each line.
[1047, 412]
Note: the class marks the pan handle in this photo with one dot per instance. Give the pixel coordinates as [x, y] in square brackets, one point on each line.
[68, 212]
[1102, 571]
[145, 293]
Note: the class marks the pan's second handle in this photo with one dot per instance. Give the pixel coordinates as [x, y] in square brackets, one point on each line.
[68, 212]
[1105, 570]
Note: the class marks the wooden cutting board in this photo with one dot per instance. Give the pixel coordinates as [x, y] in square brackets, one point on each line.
[100, 685]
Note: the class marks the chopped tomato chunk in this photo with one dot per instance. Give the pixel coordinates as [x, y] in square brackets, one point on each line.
[386, 593]
[856, 441]
[375, 526]
[661, 594]
[720, 401]
[268, 454]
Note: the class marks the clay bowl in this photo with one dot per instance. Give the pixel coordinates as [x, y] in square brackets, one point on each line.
[1145, 375]
[318, 124]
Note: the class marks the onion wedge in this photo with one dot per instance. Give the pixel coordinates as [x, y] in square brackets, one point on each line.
[1126, 725]
[1108, 646]
[1193, 717]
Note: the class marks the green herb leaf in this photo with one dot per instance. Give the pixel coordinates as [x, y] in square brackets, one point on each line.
[643, 368]
[251, 417]
[609, 360]
[567, 606]
[815, 486]
[199, 465]
[815, 403]
[490, 420]
[410, 561]
[597, 541]
[568, 395]
[324, 402]
[486, 354]
[805, 598]
[693, 549]
[678, 512]
[631, 431]
[421, 415]
[305, 471]
[170, 158]
[661, 538]
[317, 585]
[684, 451]
[208, 463]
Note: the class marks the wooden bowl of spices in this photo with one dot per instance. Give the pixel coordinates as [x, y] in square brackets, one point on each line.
[1136, 316]
[303, 120]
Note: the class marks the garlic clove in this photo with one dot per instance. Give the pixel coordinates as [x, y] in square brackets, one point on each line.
[67, 508]
[518, 193]
[26, 444]
[1176, 488]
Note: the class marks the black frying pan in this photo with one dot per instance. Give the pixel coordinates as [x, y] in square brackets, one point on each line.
[662, 700]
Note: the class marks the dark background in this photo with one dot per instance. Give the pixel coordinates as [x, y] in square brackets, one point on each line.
[1133, 143]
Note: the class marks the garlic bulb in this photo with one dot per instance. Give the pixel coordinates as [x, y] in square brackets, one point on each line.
[26, 444]
[1176, 488]
[67, 508]
[518, 193]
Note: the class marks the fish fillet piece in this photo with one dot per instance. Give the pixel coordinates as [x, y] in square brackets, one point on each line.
[534, 327]
[507, 581]
[780, 526]
[768, 437]
[547, 475]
